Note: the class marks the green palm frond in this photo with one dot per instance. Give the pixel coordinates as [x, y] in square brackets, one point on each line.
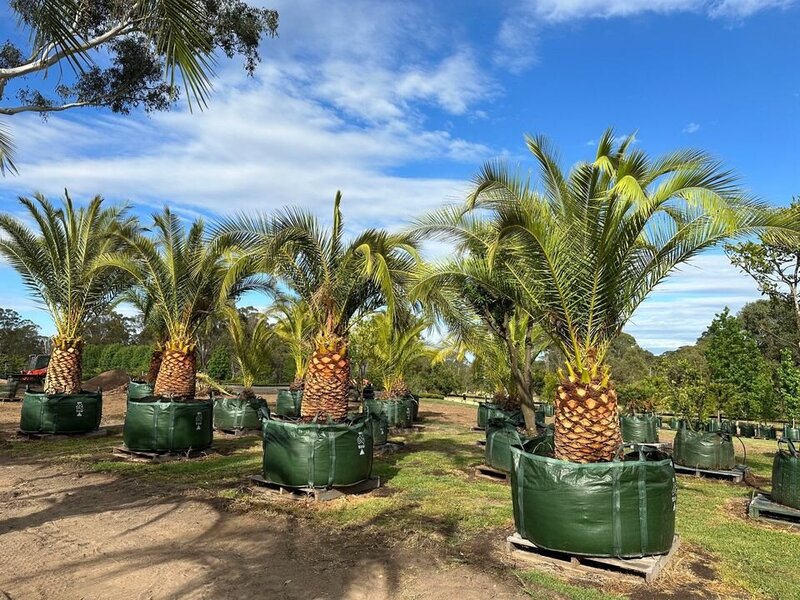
[339, 280]
[58, 258]
[295, 327]
[249, 344]
[7, 150]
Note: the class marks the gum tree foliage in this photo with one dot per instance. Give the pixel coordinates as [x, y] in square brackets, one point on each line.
[772, 325]
[19, 338]
[788, 376]
[740, 377]
[774, 263]
[687, 383]
[120, 54]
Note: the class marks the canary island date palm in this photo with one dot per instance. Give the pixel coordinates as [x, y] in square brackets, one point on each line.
[249, 346]
[56, 255]
[138, 298]
[187, 278]
[583, 249]
[294, 327]
[340, 280]
[477, 303]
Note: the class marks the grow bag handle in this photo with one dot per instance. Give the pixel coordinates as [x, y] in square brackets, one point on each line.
[790, 444]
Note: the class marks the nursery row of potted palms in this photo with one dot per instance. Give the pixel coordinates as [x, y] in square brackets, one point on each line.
[564, 262]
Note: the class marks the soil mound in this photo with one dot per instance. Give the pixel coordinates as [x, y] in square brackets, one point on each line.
[107, 380]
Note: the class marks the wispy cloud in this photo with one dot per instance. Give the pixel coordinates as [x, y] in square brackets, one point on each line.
[691, 128]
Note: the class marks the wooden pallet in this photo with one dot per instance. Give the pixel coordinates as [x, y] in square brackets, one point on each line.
[735, 475]
[488, 472]
[406, 430]
[480, 443]
[647, 567]
[477, 428]
[387, 448]
[10, 399]
[31, 435]
[761, 507]
[314, 494]
[238, 432]
[158, 457]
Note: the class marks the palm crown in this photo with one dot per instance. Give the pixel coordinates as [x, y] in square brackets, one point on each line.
[58, 263]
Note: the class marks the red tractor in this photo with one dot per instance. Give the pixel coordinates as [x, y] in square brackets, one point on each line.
[37, 370]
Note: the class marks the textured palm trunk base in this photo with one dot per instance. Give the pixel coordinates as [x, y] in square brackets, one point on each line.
[297, 385]
[65, 370]
[176, 377]
[398, 389]
[587, 423]
[326, 385]
[155, 364]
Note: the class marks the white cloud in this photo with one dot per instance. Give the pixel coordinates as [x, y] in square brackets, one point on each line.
[683, 306]
[691, 128]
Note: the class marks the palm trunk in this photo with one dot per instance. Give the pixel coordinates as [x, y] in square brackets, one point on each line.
[65, 369]
[327, 381]
[397, 388]
[297, 385]
[155, 364]
[176, 377]
[587, 423]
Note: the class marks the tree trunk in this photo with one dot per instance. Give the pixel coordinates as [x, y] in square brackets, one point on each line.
[155, 364]
[587, 423]
[297, 385]
[327, 382]
[65, 369]
[176, 377]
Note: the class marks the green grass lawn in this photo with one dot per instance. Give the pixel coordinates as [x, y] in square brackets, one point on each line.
[431, 497]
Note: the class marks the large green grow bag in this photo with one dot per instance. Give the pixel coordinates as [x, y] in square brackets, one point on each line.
[548, 409]
[747, 430]
[414, 400]
[288, 403]
[166, 426]
[380, 429]
[9, 389]
[674, 423]
[640, 428]
[489, 410]
[238, 413]
[623, 508]
[61, 413]
[786, 476]
[703, 450]
[398, 413]
[502, 435]
[791, 433]
[139, 389]
[768, 432]
[317, 454]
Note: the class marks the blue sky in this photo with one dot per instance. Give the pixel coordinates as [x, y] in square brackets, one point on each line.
[397, 105]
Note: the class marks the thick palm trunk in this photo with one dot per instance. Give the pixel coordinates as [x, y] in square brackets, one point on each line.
[297, 385]
[398, 389]
[327, 382]
[587, 423]
[65, 369]
[155, 364]
[176, 377]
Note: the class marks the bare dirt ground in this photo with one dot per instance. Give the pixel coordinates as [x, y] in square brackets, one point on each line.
[67, 534]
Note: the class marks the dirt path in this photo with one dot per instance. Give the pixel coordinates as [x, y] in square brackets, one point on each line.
[66, 535]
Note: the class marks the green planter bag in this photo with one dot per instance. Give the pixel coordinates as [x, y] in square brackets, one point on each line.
[747, 430]
[489, 410]
[768, 432]
[786, 475]
[317, 454]
[139, 389]
[398, 413]
[703, 450]
[166, 426]
[414, 400]
[9, 389]
[502, 435]
[674, 423]
[61, 413]
[288, 403]
[549, 410]
[791, 433]
[238, 413]
[639, 428]
[623, 508]
[380, 429]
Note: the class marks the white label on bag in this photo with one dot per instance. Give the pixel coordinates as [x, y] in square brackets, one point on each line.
[198, 421]
[362, 443]
[79, 408]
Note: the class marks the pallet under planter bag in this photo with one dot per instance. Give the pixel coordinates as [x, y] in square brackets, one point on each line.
[622, 509]
[316, 455]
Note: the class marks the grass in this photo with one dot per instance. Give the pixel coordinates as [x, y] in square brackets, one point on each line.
[431, 497]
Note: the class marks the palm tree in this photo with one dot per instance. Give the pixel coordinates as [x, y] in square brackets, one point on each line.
[57, 263]
[138, 298]
[295, 328]
[187, 279]
[249, 346]
[476, 301]
[339, 280]
[584, 249]
[395, 349]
